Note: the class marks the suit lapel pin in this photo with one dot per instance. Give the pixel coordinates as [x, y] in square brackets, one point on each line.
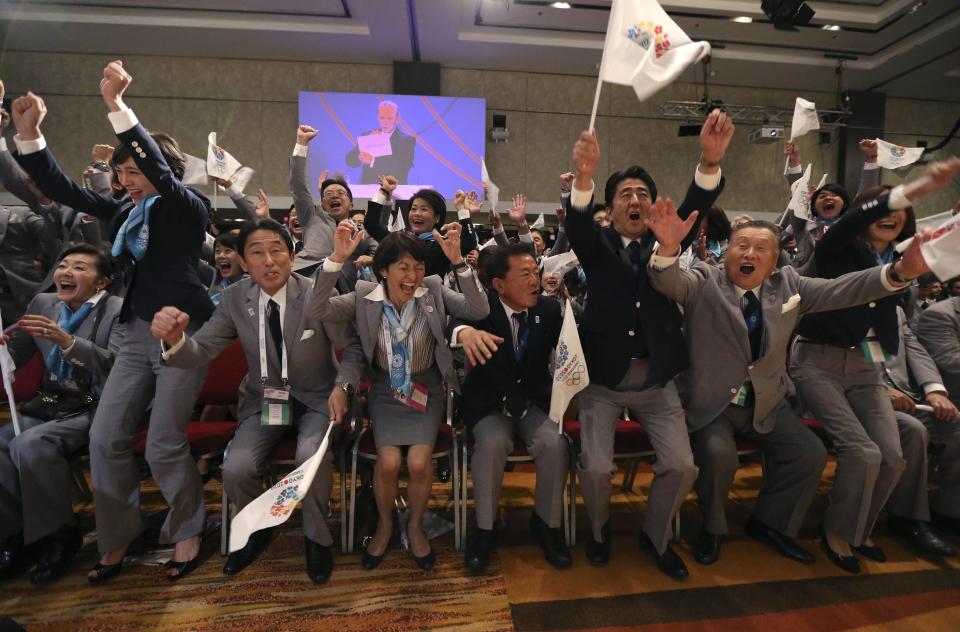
[251, 312]
[536, 319]
[430, 308]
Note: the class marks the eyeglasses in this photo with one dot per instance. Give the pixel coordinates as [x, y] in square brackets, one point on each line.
[330, 194]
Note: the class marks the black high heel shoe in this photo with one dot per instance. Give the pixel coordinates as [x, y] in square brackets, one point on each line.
[104, 572]
[426, 562]
[185, 568]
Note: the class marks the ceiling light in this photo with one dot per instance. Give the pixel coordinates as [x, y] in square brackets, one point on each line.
[743, 19]
[560, 5]
[831, 27]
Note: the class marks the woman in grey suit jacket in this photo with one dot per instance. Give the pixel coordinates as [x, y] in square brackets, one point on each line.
[77, 333]
[401, 323]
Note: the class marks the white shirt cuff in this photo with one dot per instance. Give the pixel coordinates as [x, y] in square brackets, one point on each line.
[788, 170]
[660, 262]
[581, 199]
[934, 387]
[331, 266]
[380, 198]
[3, 144]
[898, 198]
[29, 146]
[166, 353]
[122, 121]
[463, 214]
[235, 192]
[300, 150]
[526, 238]
[869, 166]
[455, 337]
[707, 181]
[73, 344]
[885, 279]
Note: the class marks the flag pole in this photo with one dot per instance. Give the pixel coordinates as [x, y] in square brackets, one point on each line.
[596, 103]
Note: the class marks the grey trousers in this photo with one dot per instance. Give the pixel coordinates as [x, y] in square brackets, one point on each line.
[847, 395]
[659, 410]
[910, 498]
[246, 458]
[137, 378]
[493, 442]
[793, 460]
[36, 482]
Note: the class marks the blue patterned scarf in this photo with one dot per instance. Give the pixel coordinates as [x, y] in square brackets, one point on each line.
[134, 235]
[69, 322]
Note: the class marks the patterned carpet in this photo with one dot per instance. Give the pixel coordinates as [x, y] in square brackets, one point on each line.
[750, 588]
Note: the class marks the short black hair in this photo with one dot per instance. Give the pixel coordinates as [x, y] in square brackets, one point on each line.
[717, 226]
[272, 225]
[169, 149]
[757, 223]
[104, 262]
[498, 265]
[634, 171]
[226, 240]
[392, 248]
[436, 202]
[331, 181]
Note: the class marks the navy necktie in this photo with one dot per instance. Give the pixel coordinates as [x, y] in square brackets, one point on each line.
[753, 317]
[276, 332]
[522, 334]
[633, 249]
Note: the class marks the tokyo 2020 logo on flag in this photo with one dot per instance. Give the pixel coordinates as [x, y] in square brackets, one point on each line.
[643, 32]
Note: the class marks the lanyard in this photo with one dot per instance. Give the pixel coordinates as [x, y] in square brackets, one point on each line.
[263, 350]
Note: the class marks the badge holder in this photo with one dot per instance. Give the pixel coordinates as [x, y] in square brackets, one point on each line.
[417, 399]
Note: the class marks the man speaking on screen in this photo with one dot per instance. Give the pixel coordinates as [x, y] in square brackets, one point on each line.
[384, 150]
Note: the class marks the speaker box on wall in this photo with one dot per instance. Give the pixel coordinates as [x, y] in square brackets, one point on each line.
[414, 77]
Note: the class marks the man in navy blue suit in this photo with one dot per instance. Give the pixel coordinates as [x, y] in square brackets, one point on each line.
[632, 338]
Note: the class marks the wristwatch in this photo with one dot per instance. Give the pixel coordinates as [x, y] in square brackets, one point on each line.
[461, 267]
[346, 387]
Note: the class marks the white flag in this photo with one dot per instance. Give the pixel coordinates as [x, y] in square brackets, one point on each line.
[800, 195]
[396, 223]
[195, 172]
[569, 367]
[7, 366]
[645, 49]
[805, 118]
[933, 221]
[488, 243]
[942, 251]
[220, 164]
[560, 264]
[539, 223]
[890, 156]
[275, 505]
[493, 191]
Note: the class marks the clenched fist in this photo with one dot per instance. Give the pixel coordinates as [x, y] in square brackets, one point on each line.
[169, 325]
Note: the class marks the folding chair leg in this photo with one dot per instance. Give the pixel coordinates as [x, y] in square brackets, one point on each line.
[343, 503]
[463, 489]
[628, 470]
[572, 501]
[455, 480]
[676, 526]
[352, 510]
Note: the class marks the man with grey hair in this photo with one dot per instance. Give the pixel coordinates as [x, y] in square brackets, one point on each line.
[402, 146]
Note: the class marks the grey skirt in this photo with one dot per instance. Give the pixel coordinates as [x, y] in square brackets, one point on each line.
[395, 423]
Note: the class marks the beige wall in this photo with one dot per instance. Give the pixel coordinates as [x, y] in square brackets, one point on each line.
[253, 107]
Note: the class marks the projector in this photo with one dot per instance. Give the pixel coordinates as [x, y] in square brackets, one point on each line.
[765, 135]
[786, 15]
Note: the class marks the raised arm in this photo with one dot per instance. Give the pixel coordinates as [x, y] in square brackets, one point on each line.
[665, 274]
[299, 187]
[870, 173]
[145, 151]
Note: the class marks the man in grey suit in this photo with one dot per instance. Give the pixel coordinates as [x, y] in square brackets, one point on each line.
[296, 383]
[912, 372]
[738, 322]
[319, 221]
[938, 329]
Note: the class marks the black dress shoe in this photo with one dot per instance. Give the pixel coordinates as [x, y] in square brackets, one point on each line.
[185, 568]
[947, 523]
[784, 545]
[319, 561]
[443, 469]
[668, 562]
[369, 561]
[919, 534]
[425, 562]
[598, 553]
[239, 560]
[552, 542]
[59, 549]
[874, 552]
[848, 563]
[707, 548]
[477, 556]
[12, 557]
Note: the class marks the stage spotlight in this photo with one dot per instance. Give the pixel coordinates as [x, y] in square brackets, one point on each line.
[786, 15]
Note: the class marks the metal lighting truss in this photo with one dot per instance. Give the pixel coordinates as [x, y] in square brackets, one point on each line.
[757, 114]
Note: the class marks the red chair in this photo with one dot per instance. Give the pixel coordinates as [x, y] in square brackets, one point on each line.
[27, 379]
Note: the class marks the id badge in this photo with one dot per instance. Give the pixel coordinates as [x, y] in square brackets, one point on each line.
[740, 399]
[417, 399]
[873, 352]
[276, 407]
